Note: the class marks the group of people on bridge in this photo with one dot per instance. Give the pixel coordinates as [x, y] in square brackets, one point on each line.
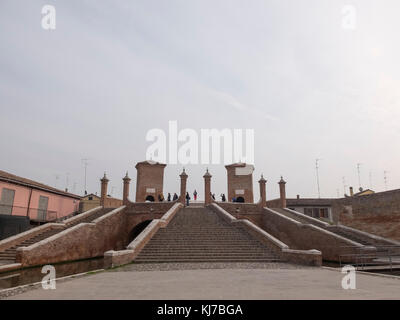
[188, 198]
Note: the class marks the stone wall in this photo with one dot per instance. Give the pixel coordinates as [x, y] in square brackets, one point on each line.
[249, 211]
[112, 203]
[85, 240]
[378, 213]
[88, 240]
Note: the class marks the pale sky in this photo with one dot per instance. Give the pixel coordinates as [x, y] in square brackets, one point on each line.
[113, 70]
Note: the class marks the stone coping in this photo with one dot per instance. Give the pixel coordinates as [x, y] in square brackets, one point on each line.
[80, 216]
[366, 234]
[308, 218]
[311, 226]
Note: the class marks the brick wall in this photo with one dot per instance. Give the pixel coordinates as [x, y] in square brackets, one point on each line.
[378, 213]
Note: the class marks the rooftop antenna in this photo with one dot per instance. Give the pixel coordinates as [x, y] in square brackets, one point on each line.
[85, 162]
[74, 187]
[317, 171]
[370, 180]
[57, 177]
[67, 181]
[385, 178]
[359, 175]
[344, 185]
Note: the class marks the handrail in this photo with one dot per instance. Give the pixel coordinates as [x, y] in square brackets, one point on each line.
[32, 213]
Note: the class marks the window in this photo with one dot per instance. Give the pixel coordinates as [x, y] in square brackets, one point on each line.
[317, 212]
[7, 201]
[90, 198]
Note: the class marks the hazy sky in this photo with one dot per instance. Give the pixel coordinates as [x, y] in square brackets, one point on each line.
[112, 70]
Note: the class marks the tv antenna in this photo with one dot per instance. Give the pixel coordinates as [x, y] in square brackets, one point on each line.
[85, 162]
[317, 171]
[57, 177]
[359, 175]
[385, 179]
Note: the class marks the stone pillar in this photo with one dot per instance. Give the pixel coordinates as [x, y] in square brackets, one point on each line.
[104, 184]
[263, 196]
[207, 188]
[127, 181]
[184, 177]
[282, 191]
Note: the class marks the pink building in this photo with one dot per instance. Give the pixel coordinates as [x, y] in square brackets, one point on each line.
[39, 202]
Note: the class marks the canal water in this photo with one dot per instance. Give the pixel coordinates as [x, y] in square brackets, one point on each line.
[21, 277]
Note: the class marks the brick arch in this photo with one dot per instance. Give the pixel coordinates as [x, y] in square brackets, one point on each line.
[138, 228]
[240, 199]
[150, 198]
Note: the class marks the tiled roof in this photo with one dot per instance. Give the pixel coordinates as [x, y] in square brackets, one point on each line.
[11, 178]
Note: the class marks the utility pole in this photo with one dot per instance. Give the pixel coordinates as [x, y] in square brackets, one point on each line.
[359, 175]
[85, 162]
[317, 171]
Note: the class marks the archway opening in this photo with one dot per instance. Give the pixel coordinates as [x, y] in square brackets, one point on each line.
[240, 199]
[137, 230]
[149, 199]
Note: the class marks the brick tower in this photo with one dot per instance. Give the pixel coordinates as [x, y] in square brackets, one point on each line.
[240, 182]
[149, 182]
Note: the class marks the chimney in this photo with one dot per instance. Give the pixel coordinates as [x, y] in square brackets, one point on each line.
[351, 192]
[298, 197]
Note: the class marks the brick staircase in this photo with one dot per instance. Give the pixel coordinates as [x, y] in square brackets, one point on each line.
[348, 234]
[8, 256]
[291, 215]
[197, 234]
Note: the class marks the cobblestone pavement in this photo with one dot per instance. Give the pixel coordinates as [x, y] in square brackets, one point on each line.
[222, 281]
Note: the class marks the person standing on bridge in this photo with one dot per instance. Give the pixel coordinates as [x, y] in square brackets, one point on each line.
[187, 198]
[175, 197]
[195, 195]
[169, 197]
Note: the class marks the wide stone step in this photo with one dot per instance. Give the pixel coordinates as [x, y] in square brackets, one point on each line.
[201, 247]
[217, 259]
[202, 252]
[206, 241]
[7, 256]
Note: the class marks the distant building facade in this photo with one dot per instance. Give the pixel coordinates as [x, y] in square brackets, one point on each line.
[39, 202]
[88, 202]
[313, 207]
